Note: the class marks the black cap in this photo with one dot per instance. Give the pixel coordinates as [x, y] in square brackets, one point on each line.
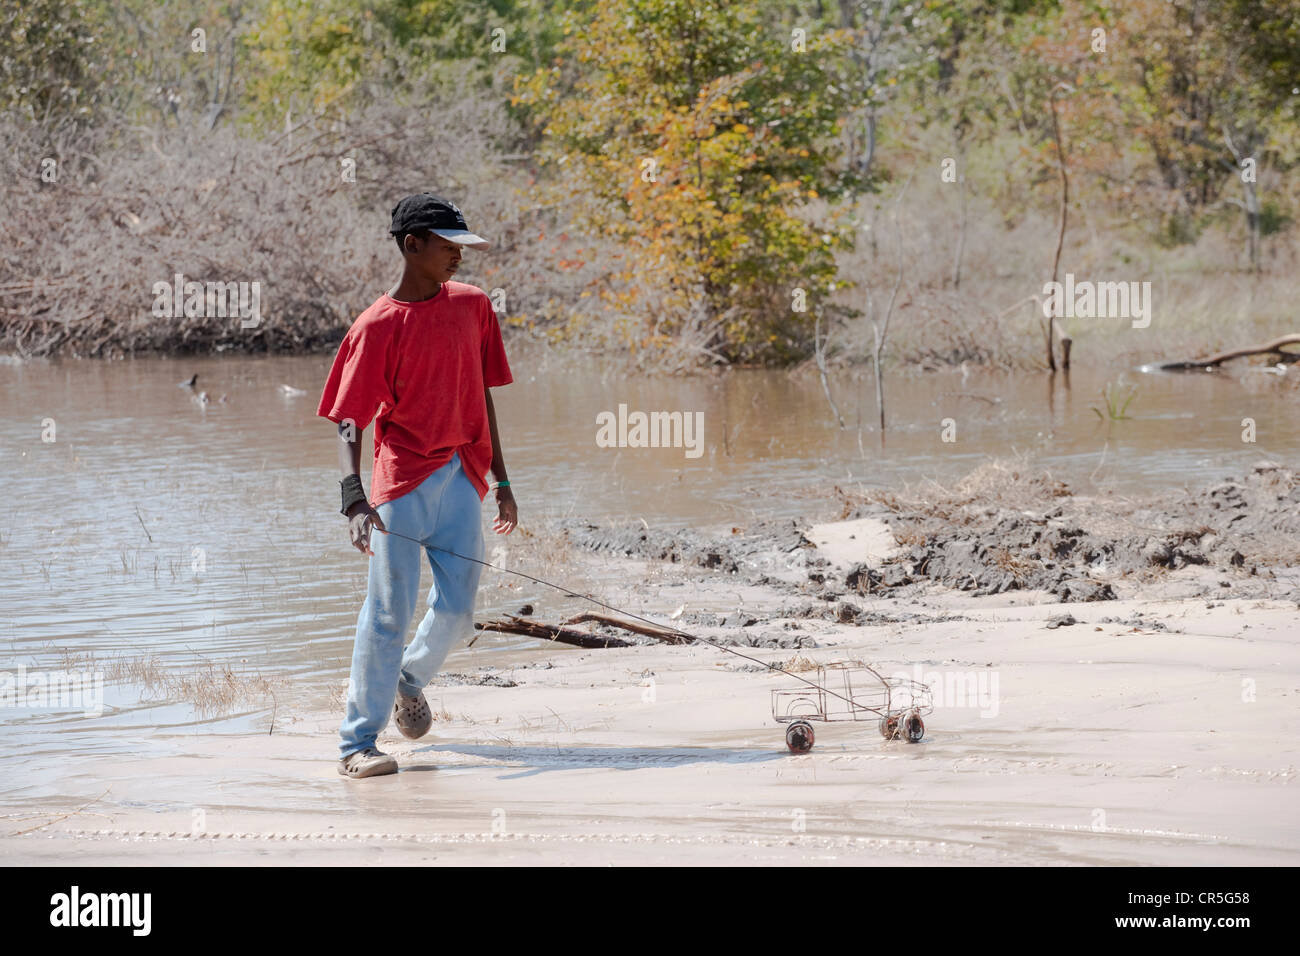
[441, 217]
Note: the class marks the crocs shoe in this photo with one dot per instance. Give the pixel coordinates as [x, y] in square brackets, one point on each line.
[367, 763]
[412, 715]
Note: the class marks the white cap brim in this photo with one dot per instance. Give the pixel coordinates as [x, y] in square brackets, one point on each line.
[461, 237]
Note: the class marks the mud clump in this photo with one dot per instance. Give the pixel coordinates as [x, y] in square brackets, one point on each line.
[1040, 536]
[488, 679]
[845, 612]
[772, 640]
[745, 548]
[1136, 620]
[1003, 528]
[1011, 552]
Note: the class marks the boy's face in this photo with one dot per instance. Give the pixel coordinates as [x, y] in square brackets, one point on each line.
[435, 258]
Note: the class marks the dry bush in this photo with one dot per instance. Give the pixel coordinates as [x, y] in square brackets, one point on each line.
[997, 483]
[1203, 297]
[1020, 569]
[135, 205]
[132, 207]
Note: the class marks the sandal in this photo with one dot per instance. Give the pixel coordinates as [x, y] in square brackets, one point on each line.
[412, 715]
[367, 763]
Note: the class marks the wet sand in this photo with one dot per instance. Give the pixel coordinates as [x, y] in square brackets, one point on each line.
[1160, 728]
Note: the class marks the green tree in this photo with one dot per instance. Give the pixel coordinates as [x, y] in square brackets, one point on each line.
[306, 56]
[51, 66]
[697, 136]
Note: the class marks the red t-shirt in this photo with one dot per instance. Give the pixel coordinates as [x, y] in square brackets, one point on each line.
[418, 369]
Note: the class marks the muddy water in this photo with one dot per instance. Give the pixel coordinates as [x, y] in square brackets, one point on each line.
[155, 526]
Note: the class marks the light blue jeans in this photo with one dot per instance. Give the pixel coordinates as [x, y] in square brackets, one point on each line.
[444, 511]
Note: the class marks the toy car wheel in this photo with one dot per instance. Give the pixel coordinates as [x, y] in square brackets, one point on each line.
[913, 728]
[889, 727]
[799, 737]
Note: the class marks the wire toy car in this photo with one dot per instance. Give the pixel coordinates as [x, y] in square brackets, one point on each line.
[850, 690]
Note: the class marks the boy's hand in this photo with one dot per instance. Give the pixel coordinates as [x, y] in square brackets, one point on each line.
[360, 520]
[507, 512]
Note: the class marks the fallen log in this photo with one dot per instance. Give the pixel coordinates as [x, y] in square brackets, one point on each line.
[1274, 347]
[549, 632]
[649, 630]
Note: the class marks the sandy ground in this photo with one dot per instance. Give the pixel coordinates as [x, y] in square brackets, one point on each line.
[1166, 739]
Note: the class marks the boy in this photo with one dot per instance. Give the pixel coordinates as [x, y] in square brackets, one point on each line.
[419, 362]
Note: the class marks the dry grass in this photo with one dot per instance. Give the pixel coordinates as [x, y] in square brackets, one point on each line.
[1203, 296]
[211, 689]
[798, 664]
[441, 715]
[910, 538]
[549, 555]
[1020, 569]
[337, 696]
[1007, 483]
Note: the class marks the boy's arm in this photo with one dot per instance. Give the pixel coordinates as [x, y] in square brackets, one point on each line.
[350, 453]
[360, 515]
[498, 462]
[507, 511]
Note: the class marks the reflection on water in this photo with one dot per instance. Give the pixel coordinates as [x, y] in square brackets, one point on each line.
[154, 525]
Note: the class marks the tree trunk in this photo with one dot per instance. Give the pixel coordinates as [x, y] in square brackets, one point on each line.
[1274, 347]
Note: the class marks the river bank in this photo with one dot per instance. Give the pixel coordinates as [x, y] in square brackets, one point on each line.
[1158, 727]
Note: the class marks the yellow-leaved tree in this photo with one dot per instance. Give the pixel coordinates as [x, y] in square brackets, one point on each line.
[696, 136]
